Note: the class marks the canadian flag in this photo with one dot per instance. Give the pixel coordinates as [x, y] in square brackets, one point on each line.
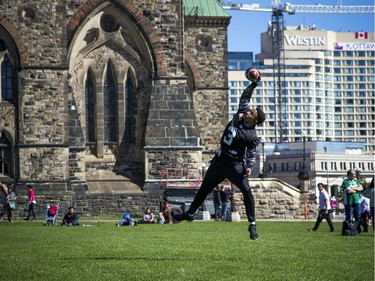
[361, 35]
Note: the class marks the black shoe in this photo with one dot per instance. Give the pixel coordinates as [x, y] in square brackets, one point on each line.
[183, 217]
[332, 230]
[311, 230]
[253, 232]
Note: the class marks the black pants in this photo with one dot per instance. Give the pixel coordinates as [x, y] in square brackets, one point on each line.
[222, 168]
[364, 220]
[31, 211]
[322, 215]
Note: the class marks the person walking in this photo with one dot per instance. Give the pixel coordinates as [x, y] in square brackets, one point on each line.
[217, 202]
[352, 188]
[324, 209]
[11, 202]
[234, 159]
[32, 202]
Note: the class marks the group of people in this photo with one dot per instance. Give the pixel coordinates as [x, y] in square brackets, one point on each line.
[164, 216]
[358, 203]
[8, 200]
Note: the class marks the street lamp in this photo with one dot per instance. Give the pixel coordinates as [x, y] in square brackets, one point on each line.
[304, 150]
[262, 174]
[303, 173]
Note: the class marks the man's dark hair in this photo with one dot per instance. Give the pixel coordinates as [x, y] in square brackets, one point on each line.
[261, 116]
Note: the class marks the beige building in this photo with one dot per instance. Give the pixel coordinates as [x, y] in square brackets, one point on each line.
[325, 162]
[329, 87]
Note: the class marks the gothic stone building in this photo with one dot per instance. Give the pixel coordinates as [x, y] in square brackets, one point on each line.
[99, 97]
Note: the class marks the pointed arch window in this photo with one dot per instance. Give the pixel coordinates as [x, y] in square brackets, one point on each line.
[90, 107]
[6, 157]
[109, 98]
[6, 79]
[129, 108]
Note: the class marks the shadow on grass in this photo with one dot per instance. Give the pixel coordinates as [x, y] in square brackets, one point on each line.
[120, 258]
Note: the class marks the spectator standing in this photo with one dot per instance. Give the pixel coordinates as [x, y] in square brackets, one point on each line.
[32, 202]
[324, 209]
[217, 202]
[333, 207]
[352, 188]
[71, 218]
[364, 204]
[224, 203]
[372, 201]
[11, 202]
[369, 192]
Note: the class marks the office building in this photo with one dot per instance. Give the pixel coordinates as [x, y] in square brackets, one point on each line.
[329, 87]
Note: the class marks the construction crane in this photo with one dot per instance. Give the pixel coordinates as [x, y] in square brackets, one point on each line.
[276, 31]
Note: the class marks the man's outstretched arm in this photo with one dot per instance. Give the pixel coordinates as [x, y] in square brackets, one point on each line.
[246, 96]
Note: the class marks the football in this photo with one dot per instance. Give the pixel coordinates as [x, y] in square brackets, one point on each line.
[252, 74]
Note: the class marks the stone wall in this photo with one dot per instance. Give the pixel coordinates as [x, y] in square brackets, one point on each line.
[179, 67]
[274, 199]
[89, 205]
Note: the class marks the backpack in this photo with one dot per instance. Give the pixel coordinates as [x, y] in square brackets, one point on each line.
[52, 210]
[349, 228]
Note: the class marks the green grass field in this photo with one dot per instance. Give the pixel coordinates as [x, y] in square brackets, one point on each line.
[185, 251]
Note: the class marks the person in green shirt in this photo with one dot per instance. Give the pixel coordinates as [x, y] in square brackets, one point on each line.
[352, 189]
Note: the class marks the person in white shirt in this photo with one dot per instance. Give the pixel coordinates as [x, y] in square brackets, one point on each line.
[364, 205]
[324, 209]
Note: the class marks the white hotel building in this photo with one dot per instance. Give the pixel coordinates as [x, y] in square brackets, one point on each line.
[329, 96]
[330, 87]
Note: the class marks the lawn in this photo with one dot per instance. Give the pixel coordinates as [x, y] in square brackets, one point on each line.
[185, 251]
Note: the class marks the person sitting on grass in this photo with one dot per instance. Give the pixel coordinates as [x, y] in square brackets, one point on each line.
[71, 218]
[161, 219]
[148, 216]
[126, 221]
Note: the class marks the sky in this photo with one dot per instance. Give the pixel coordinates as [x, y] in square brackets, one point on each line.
[246, 26]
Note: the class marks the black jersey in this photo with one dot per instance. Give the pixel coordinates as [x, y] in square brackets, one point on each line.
[239, 141]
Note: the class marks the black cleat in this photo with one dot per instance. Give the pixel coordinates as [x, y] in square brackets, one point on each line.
[253, 232]
[183, 217]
